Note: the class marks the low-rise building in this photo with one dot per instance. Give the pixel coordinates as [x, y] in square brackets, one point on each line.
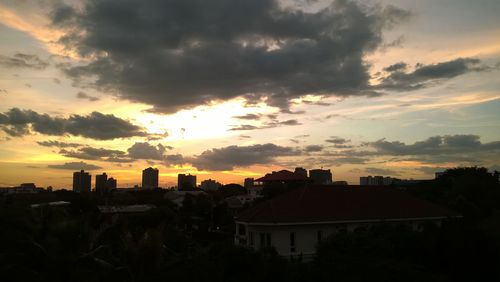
[210, 185]
[294, 222]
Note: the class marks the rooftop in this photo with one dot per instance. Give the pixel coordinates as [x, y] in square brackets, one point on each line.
[342, 203]
[282, 175]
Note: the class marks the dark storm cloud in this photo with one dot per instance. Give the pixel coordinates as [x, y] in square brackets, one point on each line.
[83, 95]
[75, 166]
[20, 60]
[183, 53]
[58, 144]
[227, 158]
[17, 122]
[425, 75]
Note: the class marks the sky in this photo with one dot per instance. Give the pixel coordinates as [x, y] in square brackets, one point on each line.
[229, 89]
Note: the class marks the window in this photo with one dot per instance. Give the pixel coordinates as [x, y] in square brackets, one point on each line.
[268, 239]
[292, 242]
[250, 238]
[241, 229]
[320, 236]
[265, 240]
[262, 241]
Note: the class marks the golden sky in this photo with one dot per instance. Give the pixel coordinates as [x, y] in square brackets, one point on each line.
[394, 88]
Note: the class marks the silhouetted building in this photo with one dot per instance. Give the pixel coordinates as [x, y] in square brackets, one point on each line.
[186, 182]
[111, 183]
[301, 171]
[150, 178]
[100, 183]
[321, 176]
[278, 182]
[81, 181]
[209, 185]
[438, 174]
[377, 180]
[248, 184]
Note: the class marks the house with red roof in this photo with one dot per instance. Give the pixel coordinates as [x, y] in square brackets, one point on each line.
[294, 222]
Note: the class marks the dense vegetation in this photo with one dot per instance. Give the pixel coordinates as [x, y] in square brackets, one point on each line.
[77, 243]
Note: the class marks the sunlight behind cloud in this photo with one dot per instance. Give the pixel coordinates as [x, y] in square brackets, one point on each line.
[203, 122]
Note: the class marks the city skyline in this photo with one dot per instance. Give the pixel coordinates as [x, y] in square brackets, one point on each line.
[395, 88]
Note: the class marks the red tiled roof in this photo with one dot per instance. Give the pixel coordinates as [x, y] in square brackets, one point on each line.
[342, 203]
[282, 175]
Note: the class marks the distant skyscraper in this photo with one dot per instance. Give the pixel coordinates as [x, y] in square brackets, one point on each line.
[321, 176]
[301, 171]
[150, 178]
[186, 182]
[81, 181]
[100, 183]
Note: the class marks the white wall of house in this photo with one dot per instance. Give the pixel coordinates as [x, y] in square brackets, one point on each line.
[306, 236]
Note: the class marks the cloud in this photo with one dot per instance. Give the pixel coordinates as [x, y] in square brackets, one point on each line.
[176, 159]
[271, 124]
[313, 148]
[138, 151]
[20, 60]
[182, 53]
[83, 95]
[53, 143]
[227, 158]
[401, 66]
[425, 75]
[447, 144]
[96, 125]
[337, 140]
[381, 171]
[339, 143]
[89, 153]
[249, 117]
[159, 136]
[75, 166]
[146, 151]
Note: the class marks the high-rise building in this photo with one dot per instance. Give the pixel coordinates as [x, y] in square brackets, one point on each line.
[186, 182]
[321, 176]
[301, 171]
[150, 178]
[81, 181]
[100, 183]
